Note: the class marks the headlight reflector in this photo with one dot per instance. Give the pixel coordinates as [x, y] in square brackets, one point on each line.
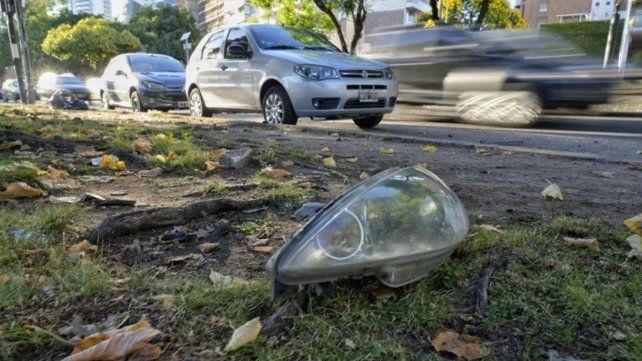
[396, 226]
[153, 86]
[387, 73]
[316, 72]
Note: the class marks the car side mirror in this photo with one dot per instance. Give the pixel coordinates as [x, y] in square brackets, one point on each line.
[121, 73]
[237, 51]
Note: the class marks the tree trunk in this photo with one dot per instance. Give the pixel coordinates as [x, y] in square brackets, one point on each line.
[483, 11]
[435, 10]
[359, 22]
[328, 11]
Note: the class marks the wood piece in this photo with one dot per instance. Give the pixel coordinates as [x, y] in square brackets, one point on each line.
[57, 142]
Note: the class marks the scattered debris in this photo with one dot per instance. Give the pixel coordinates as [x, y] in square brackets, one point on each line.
[465, 346]
[66, 199]
[329, 162]
[222, 280]
[386, 150]
[87, 151]
[182, 259]
[102, 179]
[554, 355]
[349, 344]
[27, 236]
[364, 176]
[207, 247]
[489, 228]
[634, 165]
[236, 158]
[151, 173]
[120, 192]
[211, 166]
[109, 161]
[604, 174]
[58, 185]
[552, 192]
[142, 146]
[18, 190]
[275, 173]
[244, 335]
[589, 243]
[429, 148]
[634, 224]
[352, 160]
[325, 150]
[308, 210]
[83, 247]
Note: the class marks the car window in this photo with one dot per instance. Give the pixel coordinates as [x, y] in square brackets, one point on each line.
[213, 45]
[271, 37]
[68, 80]
[237, 37]
[154, 63]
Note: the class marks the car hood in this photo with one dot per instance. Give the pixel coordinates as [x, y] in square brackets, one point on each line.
[71, 87]
[169, 79]
[335, 59]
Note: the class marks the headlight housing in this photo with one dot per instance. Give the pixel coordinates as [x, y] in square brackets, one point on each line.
[153, 86]
[387, 73]
[316, 72]
[397, 226]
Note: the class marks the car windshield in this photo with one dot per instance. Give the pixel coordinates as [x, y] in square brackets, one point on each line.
[159, 64]
[68, 80]
[280, 38]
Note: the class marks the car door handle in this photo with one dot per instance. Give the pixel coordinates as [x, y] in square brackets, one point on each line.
[223, 67]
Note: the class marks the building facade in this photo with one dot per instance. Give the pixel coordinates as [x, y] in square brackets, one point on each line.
[537, 12]
[216, 13]
[94, 7]
[389, 13]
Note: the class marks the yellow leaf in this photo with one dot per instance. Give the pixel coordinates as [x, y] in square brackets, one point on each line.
[635, 241]
[83, 246]
[466, 346]
[429, 148]
[108, 161]
[161, 158]
[423, 165]
[53, 173]
[207, 247]
[117, 346]
[386, 150]
[588, 243]
[325, 149]
[211, 166]
[160, 136]
[552, 192]
[329, 162]
[634, 224]
[244, 335]
[120, 165]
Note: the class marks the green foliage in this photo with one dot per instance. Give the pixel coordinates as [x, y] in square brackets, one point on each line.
[5, 51]
[160, 29]
[499, 16]
[589, 36]
[296, 13]
[90, 42]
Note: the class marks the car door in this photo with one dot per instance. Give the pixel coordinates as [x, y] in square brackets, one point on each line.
[122, 81]
[109, 85]
[236, 77]
[207, 70]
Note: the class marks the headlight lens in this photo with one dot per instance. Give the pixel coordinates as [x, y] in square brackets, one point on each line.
[316, 72]
[387, 73]
[153, 86]
[397, 226]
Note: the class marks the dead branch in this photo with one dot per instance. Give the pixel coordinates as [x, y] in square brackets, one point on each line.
[57, 142]
[147, 219]
[323, 170]
[481, 305]
[229, 188]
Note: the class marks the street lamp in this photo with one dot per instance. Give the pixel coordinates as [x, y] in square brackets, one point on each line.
[186, 45]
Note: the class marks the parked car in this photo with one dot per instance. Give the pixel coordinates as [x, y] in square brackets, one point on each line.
[94, 85]
[486, 75]
[286, 73]
[144, 81]
[48, 83]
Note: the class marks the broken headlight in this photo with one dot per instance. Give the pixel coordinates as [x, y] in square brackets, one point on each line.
[397, 226]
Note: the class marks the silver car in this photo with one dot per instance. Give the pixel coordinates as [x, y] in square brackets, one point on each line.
[286, 73]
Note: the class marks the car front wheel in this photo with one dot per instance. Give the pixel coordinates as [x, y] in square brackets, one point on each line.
[197, 107]
[368, 122]
[137, 103]
[277, 108]
[105, 101]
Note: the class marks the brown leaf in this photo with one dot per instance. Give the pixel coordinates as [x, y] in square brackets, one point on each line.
[262, 249]
[275, 173]
[83, 247]
[634, 224]
[117, 346]
[96, 338]
[634, 165]
[207, 247]
[244, 335]
[146, 352]
[142, 146]
[19, 190]
[154, 172]
[220, 152]
[588, 243]
[182, 259]
[211, 166]
[53, 173]
[466, 346]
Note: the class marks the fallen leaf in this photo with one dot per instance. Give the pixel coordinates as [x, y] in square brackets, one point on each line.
[262, 249]
[635, 241]
[83, 247]
[146, 352]
[109, 161]
[207, 247]
[167, 301]
[87, 151]
[364, 176]
[349, 344]
[489, 228]
[275, 173]
[329, 162]
[155, 172]
[352, 160]
[31, 167]
[16, 144]
[117, 346]
[220, 152]
[589, 243]
[287, 163]
[466, 346]
[429, 148]
[182, 259]
[160, 158]
[160, 136]
[53, 173]
[142, 146]
[604, 174]
[481, 150]
[635, 254]
[325, 150]
[219, 279]
[211, 166]
[386, 150]
[244, 335]
[634, 224]
[552, 192]
[634, 165]
[19, 190]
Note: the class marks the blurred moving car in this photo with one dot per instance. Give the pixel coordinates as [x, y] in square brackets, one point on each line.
[94, 85]
[490, 77]
[286, 73]
[144, 81]
[10, 91]
[48, 83]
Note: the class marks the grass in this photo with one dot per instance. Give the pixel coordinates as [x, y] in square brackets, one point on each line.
[281, 194]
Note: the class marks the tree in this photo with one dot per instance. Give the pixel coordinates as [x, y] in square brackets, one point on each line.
[434, 15]
[328, 14]
[160, 29]
[481, 14]
[89, 44]
[5, 51]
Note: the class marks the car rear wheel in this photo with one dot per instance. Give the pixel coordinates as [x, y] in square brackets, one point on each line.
[137, 104]
[503, 108]
[369, 121]
[197, 107]
[104, 100]
[277, 108]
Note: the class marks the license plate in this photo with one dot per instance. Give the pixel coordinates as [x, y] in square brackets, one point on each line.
[182, 104]
[368, 96]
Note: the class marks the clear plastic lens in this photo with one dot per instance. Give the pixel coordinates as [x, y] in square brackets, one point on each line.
[316, 72]
[153, 86]
[390, 220]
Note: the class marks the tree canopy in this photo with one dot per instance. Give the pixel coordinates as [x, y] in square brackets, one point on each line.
[481, 14]
[90, 43]
[160, 29]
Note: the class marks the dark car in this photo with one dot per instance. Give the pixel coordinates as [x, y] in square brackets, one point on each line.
[144, 81]
[48, 83]
[484, 76]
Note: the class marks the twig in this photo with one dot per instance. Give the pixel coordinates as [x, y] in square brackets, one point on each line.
[328, 170]
[481, 304]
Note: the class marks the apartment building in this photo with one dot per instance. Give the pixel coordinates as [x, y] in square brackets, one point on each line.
[537, 12]
[217, 13]
[387, 13]
[95, 7]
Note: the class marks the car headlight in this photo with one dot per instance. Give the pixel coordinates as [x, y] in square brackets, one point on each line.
[397, 226]
[316, 72]
[153, 86]
[387, 73]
